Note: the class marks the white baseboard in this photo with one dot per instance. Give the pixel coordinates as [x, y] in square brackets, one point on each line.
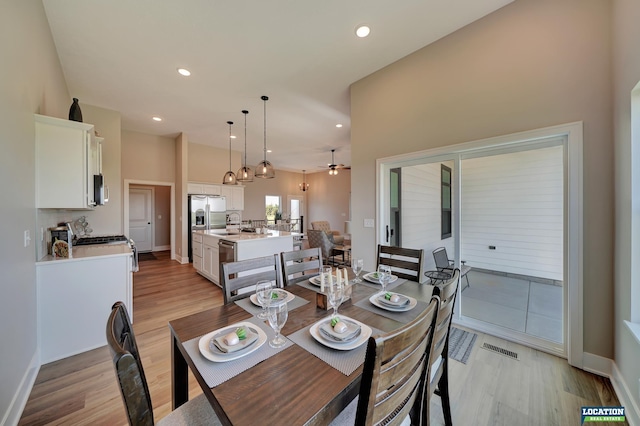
[607, 368]
[162, 248]
[180, 259]
[20, 398]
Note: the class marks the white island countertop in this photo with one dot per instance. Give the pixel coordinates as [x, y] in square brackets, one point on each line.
[79, 253]
[239, 237]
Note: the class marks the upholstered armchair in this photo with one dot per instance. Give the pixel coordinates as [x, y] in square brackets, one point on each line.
[323, 225]
[322, 240]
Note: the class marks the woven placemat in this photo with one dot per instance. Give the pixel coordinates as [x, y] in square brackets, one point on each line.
[403, 317]
[248, 305]
[215, 373]
[345, 362]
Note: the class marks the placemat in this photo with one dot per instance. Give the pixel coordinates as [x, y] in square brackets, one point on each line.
[215, 373]
[306, 284]
[378, 287]
[345, 362]
[248, 305]
[403, 317]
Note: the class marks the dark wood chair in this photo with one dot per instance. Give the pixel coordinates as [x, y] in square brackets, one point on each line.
[236, 276]
[444, 264]
[133, 383]
[438, 374]
[405, 262]
[395, 366]
[299, 265]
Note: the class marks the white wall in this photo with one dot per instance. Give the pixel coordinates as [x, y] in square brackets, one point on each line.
[514, 202]
[31, 81]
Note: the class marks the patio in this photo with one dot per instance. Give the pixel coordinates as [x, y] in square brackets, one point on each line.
[519, 304]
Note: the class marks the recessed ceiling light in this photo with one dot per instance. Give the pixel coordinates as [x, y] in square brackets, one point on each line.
[233, 137]
[156, 118]
[338, 125]
[269, 150]
[183, 71]
[363, 31]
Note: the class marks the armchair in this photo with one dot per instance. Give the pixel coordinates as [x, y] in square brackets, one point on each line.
[323, 225]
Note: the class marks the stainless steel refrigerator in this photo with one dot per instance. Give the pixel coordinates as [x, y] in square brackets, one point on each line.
[206, 212]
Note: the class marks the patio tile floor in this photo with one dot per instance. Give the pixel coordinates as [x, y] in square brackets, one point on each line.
[518, 304]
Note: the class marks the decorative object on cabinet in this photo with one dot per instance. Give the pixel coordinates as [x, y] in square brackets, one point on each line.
[245, 174]
[304, 185]
[264, 169]
[75, 113]
[229, 177]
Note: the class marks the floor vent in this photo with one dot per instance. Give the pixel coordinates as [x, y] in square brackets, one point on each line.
[500, 350]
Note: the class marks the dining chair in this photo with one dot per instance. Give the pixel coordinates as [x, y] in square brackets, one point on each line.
[405, 262]
[444, 264]
[395, 365]
[133, 384]
[240, 275]
[323, 225]
[299, 265]
[438, 373]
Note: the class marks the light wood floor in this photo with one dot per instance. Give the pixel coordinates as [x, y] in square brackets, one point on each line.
[491, 389]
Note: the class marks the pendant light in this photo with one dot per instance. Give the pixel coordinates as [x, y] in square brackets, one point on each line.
[332, 167]
[264, 169]
[304, 185]
[229, 177]
[245, 174]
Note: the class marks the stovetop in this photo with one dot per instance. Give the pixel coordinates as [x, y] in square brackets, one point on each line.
[104, 239]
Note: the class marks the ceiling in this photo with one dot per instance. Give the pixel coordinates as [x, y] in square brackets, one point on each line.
[123, 55]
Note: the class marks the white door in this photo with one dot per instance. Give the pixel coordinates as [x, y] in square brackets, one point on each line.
[140, 215]
[296, 211]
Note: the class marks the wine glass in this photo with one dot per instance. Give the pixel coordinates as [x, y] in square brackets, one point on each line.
[263, 294]
[384, 276]
[277, 319]
[335, 295]
[356, 266]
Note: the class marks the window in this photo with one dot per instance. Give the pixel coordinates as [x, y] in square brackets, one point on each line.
[272, 208]
[445, 201]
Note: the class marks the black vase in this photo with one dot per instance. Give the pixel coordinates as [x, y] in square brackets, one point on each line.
[75, 113]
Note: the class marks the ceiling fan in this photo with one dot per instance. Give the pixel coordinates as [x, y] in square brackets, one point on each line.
[333, 167]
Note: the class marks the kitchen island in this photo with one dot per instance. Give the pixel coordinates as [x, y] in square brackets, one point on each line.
[207, 245]
[75, 296]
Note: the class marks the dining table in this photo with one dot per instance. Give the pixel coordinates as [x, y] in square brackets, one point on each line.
[304, 383]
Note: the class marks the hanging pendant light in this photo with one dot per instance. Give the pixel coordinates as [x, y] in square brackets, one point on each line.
[229, 177]
[264, 169]
[245, 174]
[304, 185]
[332, 167]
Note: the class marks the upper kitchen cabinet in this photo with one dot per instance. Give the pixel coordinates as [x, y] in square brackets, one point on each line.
[234, 196]
[68, 155]
[203, 188]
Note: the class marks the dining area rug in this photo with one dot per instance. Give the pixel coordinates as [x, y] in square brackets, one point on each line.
[461, 344]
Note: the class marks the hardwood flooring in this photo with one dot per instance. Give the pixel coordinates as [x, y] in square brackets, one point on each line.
[491, 389]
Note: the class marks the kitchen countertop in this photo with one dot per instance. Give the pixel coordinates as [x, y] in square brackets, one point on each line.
[246, 236]
[80, 253]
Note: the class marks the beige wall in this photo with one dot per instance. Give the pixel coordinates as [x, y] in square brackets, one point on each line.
[31, 81]
[626, 66]
[284, 184]
[209, 164]
[532, 64]
[181, 221]
[162, 206]
[329, 198]
[147, 157]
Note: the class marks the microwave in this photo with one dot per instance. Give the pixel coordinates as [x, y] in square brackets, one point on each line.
[99, 190]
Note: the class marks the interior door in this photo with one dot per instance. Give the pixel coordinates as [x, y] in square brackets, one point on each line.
[296, 212]
[140, 218]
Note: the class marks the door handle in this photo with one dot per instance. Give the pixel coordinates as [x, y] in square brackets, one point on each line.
[387, 233]
[148, 223]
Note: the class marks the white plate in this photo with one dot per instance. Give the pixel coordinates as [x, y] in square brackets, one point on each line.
[212, 354]
[254, 298]
[316, 280]
[370, 277]
[412, 303]
[364, 335]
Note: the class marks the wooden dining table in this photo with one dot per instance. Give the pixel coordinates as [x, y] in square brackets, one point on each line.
[292, 387]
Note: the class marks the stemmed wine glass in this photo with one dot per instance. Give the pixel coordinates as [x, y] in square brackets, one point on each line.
[278, 314]
[263, 294]
[335, 295]
[356, 266]
[384, 276]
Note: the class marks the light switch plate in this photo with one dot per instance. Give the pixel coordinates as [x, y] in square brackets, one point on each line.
[27, 238]
[368, 223]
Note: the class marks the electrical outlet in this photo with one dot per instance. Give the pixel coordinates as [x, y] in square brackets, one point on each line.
[368, 223]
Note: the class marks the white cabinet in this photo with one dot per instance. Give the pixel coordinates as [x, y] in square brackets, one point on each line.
[234, 196]
[210, 259]
[68, 155]
[203, 188]
[196, 250]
